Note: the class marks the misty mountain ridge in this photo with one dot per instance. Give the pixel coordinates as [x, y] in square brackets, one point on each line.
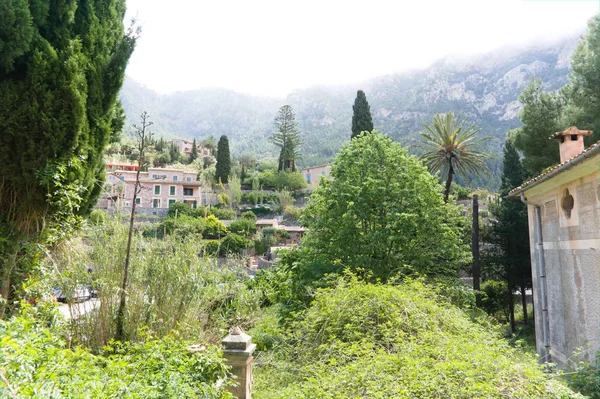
[485, 88]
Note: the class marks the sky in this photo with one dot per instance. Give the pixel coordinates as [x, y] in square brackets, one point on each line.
[271, 47]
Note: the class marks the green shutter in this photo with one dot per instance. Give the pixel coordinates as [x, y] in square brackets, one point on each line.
[157, 190]
[172, 190]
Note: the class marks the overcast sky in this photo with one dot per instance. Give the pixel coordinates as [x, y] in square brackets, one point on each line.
[273, 47]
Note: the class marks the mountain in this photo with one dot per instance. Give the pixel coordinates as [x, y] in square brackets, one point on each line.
[484, 88]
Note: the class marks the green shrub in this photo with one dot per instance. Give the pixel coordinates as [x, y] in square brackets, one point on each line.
[495, 298]
[244, 226]
[223, 213]
[98, 217]
[381, 341]
[212, 247]
[179, 209]
[291, 213]
[249, 215]
[261, 211]
[37, 363]
[214, 227]
[283, 180]
[233, 244]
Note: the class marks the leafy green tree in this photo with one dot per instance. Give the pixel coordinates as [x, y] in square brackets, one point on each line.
[450, 148]
[223, 161]
[210, 143]
[542, 115]
[362, 121]
[61, 68]
[287, 138]
[583, 91]
[382, 212]
[510, 231]
[194, 153]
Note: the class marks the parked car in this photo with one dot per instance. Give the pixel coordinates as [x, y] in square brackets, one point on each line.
[80, 293]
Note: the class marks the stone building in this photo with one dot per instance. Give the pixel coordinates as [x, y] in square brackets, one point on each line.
[160, 187]
[564, 229]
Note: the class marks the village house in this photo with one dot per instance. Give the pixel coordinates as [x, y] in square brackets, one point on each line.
[160, 187]
[564, 229]
[185, 147]
[314, 173]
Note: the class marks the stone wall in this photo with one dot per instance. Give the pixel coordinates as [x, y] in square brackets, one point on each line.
[571, 244]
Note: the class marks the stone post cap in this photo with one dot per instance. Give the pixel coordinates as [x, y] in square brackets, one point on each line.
[238, 341]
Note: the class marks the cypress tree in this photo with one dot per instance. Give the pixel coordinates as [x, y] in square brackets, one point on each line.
[194, 153]
[62, 65]
[223, 161]
[510, 229]
[361, 117]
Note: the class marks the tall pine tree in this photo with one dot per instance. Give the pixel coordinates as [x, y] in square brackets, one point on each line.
[510, 231]
[62, 65]
[223, 161]
[287, 138]
[361, 117]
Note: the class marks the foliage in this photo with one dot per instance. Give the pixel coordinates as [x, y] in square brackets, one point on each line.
[36, 362]
[223, 213]
[179, 209]
[542, 115]
[287, 139]
[450, 148]
[496, 298]
[214, 227]
[194, 152]
[282, 180]
[61, 69]
[361, 116]
[234, 189]
[172, 287]
[98, 217]
[233, 244]
[582, 90]
[223, 199]
[248, 215]
[223, 168]
[384, 341]
[244, 227]
[291, 214]
[509, 230]
[383, 213]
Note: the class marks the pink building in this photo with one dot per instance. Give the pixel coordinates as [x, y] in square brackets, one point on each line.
[314, 173]
[160, 187]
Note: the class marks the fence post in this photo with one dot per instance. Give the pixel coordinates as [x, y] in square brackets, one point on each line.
[238, 349]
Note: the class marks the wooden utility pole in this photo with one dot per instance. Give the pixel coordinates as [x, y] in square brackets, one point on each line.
[475, 247]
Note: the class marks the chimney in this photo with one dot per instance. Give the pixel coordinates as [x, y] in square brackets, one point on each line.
[570, 142]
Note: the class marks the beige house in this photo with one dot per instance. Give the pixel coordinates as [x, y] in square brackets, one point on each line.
[185, 147]
[564, 229]
[313, 175]
[160, 187]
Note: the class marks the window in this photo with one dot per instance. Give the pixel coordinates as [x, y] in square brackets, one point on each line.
[574, 137]
[157, 189]
[174, 178]
[188, 191]
[172, 190]
[308, 178]
[154, 176]
[189, 178]
[194, 204]
[138, 201]
[171, 201]
[156, 203]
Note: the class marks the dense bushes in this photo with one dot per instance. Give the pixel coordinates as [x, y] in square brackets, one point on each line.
[383, 341]
[36, 362]
[282, 180]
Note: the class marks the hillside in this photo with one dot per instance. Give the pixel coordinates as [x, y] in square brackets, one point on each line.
[484, 88]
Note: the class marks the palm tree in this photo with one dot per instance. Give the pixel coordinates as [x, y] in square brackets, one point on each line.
[449, 148]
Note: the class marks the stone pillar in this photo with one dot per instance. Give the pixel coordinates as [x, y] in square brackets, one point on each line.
[238, 349]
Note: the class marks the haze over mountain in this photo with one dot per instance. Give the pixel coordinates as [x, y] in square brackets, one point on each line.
[484, 88]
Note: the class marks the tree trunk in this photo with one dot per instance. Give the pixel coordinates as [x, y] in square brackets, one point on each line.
[475, 248]
[448, 184]
[511, 301]
[524, 302]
